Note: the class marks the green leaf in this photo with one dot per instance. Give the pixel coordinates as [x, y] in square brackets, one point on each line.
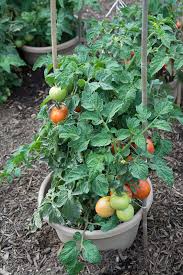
[163, 107]
[61, 197]
[95, 163]
[140, 140]
[41, 61]
[178, 63]
[91, 116]
[37, 219]
[139, 169]
[132, 123]
[55, 216]
[77, 236]
[69, 131]
[164, 148]
[122, 134]
[162, 125]
[143, 113]
[91, 102]
[90, 252]
[92, 87]
[72, 210]
[112, 108]
[157, 63]
[107, 224]
[69, 258]
[100, 185]
[76, 173]
[101, 139]
[163, 171]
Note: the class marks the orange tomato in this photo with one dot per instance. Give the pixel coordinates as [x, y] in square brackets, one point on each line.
[142, 190]
[103, 207]
[58, 114]
[150, 146]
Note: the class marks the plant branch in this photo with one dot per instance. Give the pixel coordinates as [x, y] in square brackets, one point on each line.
[54, 32]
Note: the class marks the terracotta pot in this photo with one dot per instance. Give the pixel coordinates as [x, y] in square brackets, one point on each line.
[121, 237]
[30, 54]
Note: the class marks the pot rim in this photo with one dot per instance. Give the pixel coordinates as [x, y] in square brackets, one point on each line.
[96, 234]
[47, 49]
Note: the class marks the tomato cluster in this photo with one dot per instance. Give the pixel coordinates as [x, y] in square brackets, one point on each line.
[121, 204]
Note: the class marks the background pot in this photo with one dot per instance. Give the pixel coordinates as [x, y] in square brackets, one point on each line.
[121, 237]
[30, 54]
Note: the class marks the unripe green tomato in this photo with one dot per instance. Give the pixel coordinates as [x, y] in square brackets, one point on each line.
[81, 83]
[57, 94]
[120, 202]
[19, 43]
[126, 214]
[28, 37]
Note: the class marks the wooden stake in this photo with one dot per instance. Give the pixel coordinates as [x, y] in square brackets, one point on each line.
[54, 32]
[144, 95]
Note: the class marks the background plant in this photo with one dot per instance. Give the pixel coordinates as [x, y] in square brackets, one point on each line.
[9, 58]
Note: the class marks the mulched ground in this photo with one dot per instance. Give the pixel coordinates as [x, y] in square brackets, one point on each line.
[22, 253]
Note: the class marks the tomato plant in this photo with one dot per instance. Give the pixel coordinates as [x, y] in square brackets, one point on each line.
[103, 147]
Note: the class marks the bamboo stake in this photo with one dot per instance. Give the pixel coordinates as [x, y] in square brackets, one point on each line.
[53, 11]
[144, 95]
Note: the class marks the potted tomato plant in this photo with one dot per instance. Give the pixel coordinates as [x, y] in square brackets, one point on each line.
[32, 27]
[93, 141]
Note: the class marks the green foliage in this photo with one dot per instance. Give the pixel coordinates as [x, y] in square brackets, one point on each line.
[88, 152]
[31, 25]
[9, 57]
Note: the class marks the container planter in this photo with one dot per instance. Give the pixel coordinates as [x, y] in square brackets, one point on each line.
[121, 237]
[30, 54]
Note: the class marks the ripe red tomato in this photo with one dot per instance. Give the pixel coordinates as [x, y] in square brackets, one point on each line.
[103, 207]
[142, 190]
[132, 54]
[78, 109]
[58, 114]
[178, 25]
[129, 158]
[150, 146]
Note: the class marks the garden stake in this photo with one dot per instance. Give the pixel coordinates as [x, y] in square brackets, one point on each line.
[144, 96]
[54, 32]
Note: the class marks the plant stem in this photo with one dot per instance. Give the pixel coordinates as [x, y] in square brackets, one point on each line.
[144, 98]
[54, 32]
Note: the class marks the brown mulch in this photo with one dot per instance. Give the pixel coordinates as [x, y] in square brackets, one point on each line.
[23, 253]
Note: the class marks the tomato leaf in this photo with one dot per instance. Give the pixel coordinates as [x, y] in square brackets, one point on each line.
[139, 169]
[101, 139]
[91, 116]
[69, 258]
[123, 134]
[100, 185]
[91, 102]
[143, 113]
[90, 252]
[95, 163]
[162, 125]
[112, 108]
[107, 224]
[72, 209]
[163, 171]
[69, 131]
[61, 197]
[76, 173]
[139, 140]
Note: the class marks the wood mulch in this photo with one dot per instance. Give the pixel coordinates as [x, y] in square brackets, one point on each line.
[23, 253]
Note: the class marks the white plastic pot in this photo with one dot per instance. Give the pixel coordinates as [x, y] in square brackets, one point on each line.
[121, 237]
[30, 54]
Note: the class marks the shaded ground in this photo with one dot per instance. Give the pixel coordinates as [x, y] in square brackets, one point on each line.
[22, 253]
